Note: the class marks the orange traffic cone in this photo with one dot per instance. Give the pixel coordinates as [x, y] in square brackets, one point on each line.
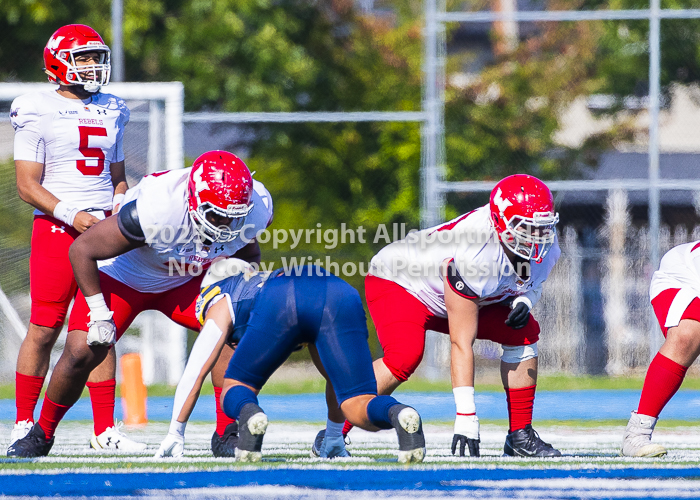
[134, 392]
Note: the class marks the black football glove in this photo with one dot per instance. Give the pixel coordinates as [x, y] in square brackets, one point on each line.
[464, 441]
[467, 435]
[519, 316]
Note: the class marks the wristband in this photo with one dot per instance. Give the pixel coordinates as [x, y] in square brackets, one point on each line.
[524, 300]
[98, 308]
[65, 213]
[117, 200]
[177, 428]
[464, 399]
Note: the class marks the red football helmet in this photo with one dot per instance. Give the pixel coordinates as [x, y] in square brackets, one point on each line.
[522, 209]
[219, 183]
[60, 52]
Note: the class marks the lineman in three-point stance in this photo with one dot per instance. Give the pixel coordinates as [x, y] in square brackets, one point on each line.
[477, 276]
[268, 315]
[187, 217]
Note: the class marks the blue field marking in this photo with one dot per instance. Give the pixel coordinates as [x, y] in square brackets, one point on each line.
[408, 479]
[551, 405]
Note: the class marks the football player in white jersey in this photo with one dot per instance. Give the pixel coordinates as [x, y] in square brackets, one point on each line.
[675, 298]
[170, 228]
[69, 161]
[477, 276]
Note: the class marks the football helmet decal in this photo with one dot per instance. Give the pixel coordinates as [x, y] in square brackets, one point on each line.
[63, 47]
[221, 186]
[522, 209]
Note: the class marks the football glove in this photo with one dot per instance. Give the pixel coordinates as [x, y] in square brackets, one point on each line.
[102, 332]
[466, 435]
[519, 316]
[172, 446]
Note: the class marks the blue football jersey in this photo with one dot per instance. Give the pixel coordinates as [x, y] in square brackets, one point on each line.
[240, 290]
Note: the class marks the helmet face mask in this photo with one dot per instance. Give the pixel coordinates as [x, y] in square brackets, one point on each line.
[530, 237]
[91, 76]
[67, 44]
[209, 231]
[522, 209]
[220, 194]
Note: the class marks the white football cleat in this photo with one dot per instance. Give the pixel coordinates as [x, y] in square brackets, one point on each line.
[20, 430]
[113, 439]
[637, 440]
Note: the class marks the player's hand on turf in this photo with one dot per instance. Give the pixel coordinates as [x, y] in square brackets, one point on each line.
[102, 331]
[466, 435]
[172, 446]
[519, 316]
[84, 220]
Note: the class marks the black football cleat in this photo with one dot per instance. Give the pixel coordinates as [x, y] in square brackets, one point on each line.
[252, 427]
[225, 446]
[527, 443]
[34, 444]
[409, 430]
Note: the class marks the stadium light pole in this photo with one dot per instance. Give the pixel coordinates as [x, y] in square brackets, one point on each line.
[117, 47]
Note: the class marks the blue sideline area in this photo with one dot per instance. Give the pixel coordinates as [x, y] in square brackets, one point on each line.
[550, 405]
[407, 479]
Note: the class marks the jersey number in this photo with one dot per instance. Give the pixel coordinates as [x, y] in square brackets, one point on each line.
[88, 152]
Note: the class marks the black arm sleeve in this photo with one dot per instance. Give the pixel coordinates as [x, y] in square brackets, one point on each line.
[457, 283]
[129, 225]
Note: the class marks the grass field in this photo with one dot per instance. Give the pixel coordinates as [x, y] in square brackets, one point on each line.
[590, 467]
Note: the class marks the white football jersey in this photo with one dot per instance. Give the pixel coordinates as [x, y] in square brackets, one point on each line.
[174, 254]
[415, 263]
[75, 139]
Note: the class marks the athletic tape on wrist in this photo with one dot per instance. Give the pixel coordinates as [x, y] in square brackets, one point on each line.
[464, 400]
[65, 213]
[117, 200]
[98, 308]
[177, 428]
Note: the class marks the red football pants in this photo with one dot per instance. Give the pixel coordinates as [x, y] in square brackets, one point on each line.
[51, 282]
[177, 304]
[401, 321]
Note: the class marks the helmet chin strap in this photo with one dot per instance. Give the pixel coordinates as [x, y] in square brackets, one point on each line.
[92, 87]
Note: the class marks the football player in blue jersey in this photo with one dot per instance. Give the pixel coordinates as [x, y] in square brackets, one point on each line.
[267, 316]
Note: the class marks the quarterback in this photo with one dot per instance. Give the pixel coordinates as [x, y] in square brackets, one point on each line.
[69, 161]
[477, 276]
[675, 298]
[267, 316]
[190, 216]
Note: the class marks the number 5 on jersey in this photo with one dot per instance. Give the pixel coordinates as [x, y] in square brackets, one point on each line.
[88, 152]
